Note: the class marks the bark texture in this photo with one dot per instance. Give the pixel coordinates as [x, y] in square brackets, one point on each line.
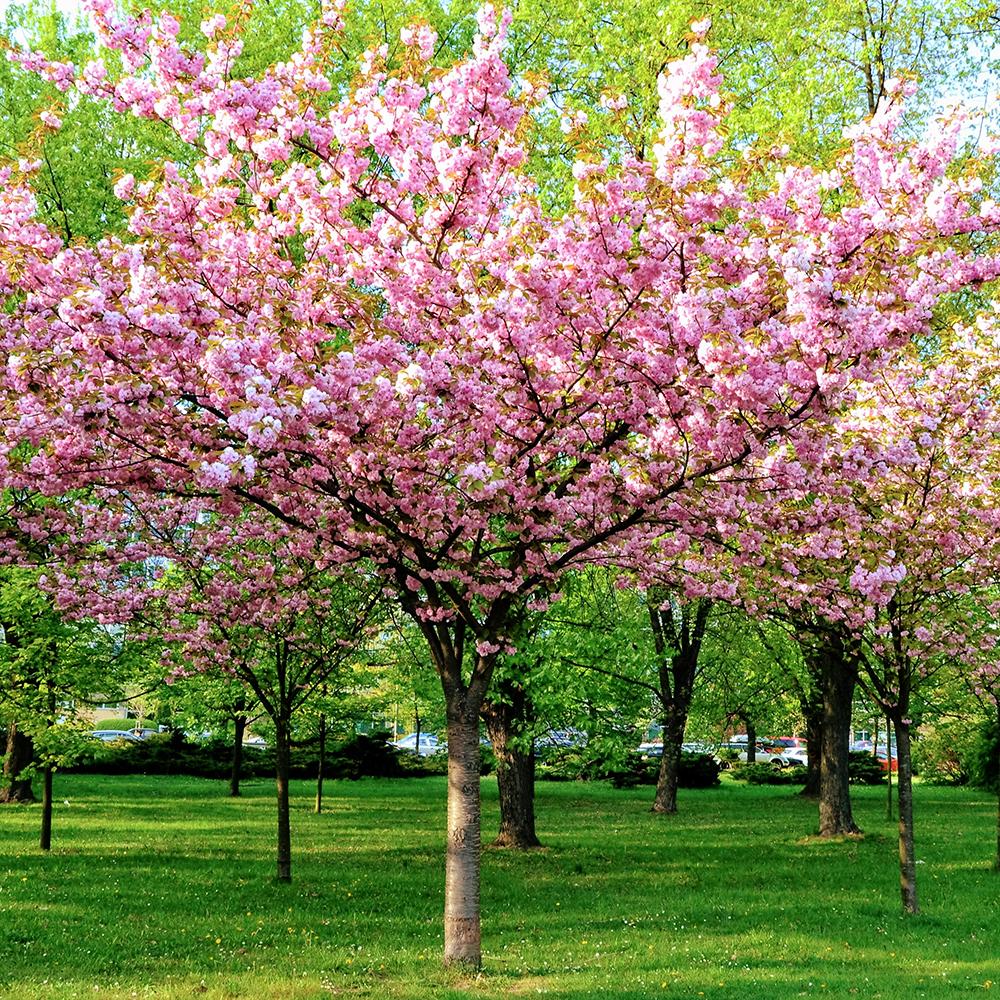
[464, 694]
[904, 786]
[838, 677]
[462, 935]
[505, 719]
[19, 757]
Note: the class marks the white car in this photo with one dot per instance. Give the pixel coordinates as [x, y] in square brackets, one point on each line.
[429, 744]
[114, 735]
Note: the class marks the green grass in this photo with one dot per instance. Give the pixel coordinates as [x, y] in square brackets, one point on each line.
[162, 887]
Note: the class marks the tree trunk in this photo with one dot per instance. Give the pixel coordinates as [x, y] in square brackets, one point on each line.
[19, 757]
[996, 860]
[515, 768]
[678, 632]
[904, 782]
[665, 800]
[462, 936]
[751, 738]
[236, 769]
[45, 839]
[321, 765]
[282, 754]
[839, 677]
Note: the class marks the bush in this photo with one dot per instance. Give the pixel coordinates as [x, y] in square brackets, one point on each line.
[413, 766]
[768, 774]
[944, 753]
[364, 755]
[984, 757]
[169, 753]
[575, 764]
[864, 768]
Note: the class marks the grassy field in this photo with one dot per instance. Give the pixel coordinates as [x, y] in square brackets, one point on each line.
[162, 887]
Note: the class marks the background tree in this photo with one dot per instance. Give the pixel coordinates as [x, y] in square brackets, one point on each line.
[48, 667]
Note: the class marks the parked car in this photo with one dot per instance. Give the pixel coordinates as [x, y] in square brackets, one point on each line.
[429, 744]
[654, 748]
[788, 742]
[795, 757]
[737, 751]
[883, 759]
[114, 735]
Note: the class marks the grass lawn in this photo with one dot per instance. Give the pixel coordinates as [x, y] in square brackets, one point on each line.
[162, 887]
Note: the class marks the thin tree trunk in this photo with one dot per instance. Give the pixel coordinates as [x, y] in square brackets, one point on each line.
[839, 677]
[515, 768]
[19, 757]
[321, 765]
[282, 754]
[751, 738]
[236, 768]
[462, 934]
[907, 857]
[45, 839]
[668, 777]
[996, 860]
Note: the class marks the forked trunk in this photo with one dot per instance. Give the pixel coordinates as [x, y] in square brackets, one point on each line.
[678, 632]
[236, 765]
[904, 782]
[665, 800]
[839, 677]
[282, 755]
[515, 768]
[19, 757]
[45, 839]
[462, 938]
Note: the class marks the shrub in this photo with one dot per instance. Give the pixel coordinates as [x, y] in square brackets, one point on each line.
[695, 771]
[944, 753]
[169, 753]
[864, 768]
[363, 755]
[768, 774]
[984, 757]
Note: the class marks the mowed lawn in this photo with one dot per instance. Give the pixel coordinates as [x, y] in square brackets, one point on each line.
[163, 887]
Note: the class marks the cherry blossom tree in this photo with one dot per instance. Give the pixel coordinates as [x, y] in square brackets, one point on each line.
[893, 525]
[350, 311]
